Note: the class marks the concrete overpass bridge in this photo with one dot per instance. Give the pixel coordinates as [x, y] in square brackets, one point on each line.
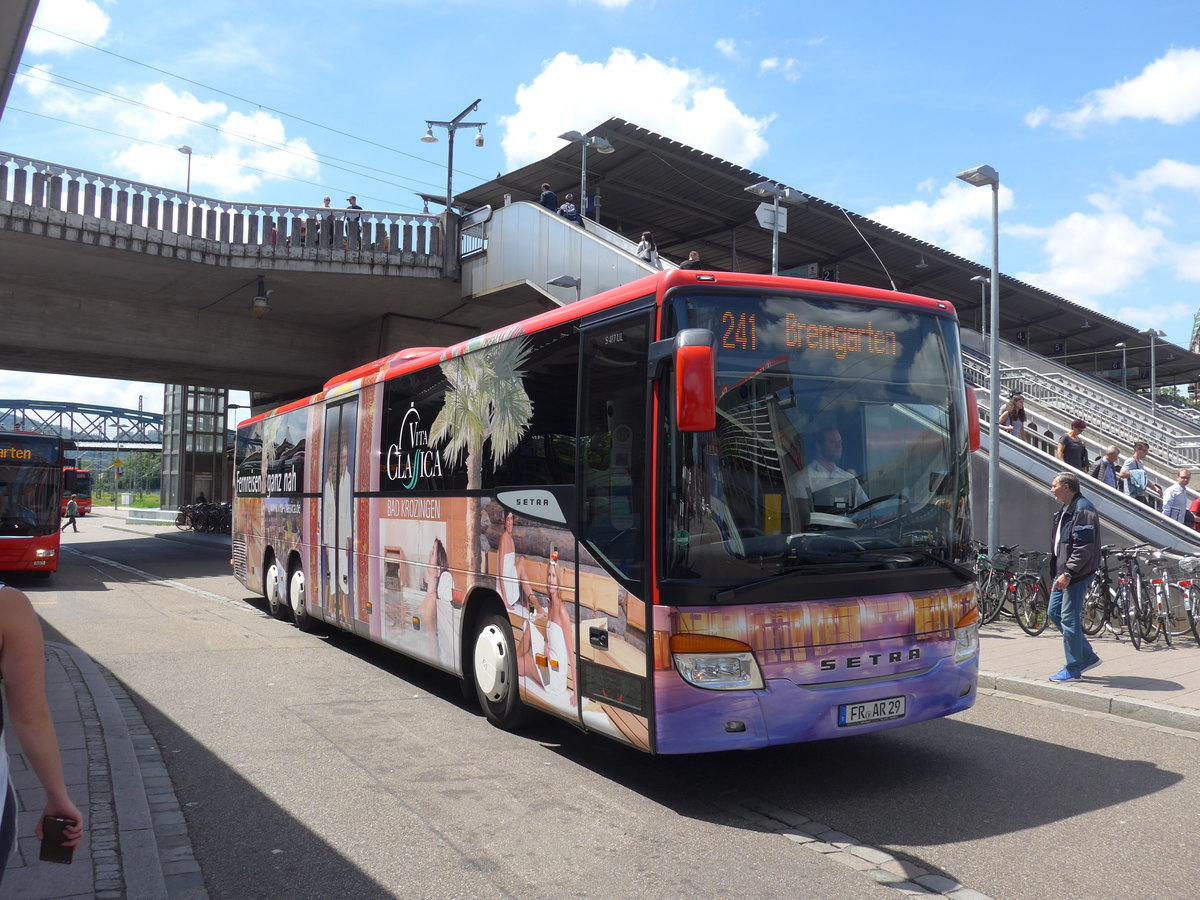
[108, 277]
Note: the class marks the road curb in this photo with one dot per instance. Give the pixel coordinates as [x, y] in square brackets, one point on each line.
[1139, 710]
[131, 756]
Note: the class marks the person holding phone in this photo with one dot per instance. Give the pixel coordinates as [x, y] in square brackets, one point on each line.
[22, 667]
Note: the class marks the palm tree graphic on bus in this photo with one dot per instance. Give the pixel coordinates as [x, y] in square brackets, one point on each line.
[485, 402]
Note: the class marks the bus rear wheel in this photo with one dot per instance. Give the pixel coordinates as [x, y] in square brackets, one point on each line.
[495, 673]
[298, 599]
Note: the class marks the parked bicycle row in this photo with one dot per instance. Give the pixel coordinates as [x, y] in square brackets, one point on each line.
[1140, 593]
[214, 518]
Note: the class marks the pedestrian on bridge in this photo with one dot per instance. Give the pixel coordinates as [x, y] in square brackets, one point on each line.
[569, 210]
[1075, 543]
[1175, 498]
[1133, 474]
[548, 199]
[1071, 449]
[1012, 419]
[1105, 468]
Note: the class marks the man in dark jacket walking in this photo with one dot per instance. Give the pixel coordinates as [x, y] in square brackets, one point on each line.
[1075, 542]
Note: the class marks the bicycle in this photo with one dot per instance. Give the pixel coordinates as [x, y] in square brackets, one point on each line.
[1110, 603]
[1144, 596]
[1190, 592]
[987, 584]
[1031, 598]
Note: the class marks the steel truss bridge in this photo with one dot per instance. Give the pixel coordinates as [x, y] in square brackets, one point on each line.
[90, 427]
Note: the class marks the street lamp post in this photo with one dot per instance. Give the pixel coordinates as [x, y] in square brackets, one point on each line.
[980, 176]
[984, 281]
[1124, 368]
[430, 138]
[776, 193]
[602, 146]
[1154, 333]
[187, 151]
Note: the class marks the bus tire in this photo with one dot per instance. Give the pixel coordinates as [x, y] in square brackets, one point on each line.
[494, 672]
[273, 586]
[298, 599]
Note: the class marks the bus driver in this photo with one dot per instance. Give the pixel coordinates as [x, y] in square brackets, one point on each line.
[827, 485]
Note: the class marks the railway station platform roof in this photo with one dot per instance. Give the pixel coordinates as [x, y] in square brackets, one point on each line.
[692, 200]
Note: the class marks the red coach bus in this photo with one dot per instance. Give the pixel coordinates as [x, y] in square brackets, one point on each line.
[77, 482]
[30, 499]
[702, 511]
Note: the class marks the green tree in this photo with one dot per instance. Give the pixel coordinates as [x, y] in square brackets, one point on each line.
[485, 404]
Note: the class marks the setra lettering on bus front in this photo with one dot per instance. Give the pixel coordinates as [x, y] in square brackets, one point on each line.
[868, 660]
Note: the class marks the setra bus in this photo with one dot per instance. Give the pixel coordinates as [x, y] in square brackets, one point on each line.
[30, 500]
[702, 511]
[78, 482]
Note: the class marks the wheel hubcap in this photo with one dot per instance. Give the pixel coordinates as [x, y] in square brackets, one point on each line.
[491, 664]
[296, 594]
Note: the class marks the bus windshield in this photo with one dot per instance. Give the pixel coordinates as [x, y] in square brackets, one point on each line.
[840, 440]
[29, 486]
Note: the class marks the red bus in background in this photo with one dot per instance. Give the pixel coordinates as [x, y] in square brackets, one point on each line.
[77, 482]
[30, 501]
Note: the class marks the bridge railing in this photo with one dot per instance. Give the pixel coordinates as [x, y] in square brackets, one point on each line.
[294, 228]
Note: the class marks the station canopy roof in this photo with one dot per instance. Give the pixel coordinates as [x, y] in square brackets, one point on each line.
[692, 200]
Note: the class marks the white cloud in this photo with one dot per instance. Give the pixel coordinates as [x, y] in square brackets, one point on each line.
[1187, 261]
[1166, 173]
[569, 94]
[727, 47]
[83, 20]
[613, 4]
[1168, 90]
[789, 68]
[958, 220]
[1094, 255]
[228, 144]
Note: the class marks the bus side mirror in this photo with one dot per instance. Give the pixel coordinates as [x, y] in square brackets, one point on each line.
[695, 380]
[973, 419]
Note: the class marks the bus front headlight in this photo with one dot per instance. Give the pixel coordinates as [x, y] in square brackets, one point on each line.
[966, 636]
[44, 553]
[715, 663]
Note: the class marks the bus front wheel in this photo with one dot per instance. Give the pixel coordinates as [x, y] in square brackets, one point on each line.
[273, 587]
[495, 673]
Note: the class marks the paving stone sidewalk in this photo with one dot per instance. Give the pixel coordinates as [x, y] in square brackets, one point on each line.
[137, 844]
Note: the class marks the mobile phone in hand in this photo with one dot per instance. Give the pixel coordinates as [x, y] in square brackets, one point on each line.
[52, 840]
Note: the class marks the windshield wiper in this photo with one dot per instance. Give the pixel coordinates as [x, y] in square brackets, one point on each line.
[960, 570]
[814, 563]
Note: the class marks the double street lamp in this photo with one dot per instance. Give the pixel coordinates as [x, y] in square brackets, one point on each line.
[982, 176]
[776, 193]
[451, 242]
[602, 146]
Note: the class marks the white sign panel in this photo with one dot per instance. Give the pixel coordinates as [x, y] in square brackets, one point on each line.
[766, 216]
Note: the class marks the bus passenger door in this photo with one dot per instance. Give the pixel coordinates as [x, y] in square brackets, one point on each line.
[612, 457]
[337, 512]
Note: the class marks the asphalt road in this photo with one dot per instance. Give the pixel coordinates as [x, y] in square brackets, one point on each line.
[321, 766]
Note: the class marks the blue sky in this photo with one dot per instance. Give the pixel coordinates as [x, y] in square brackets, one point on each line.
[1089, 111]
